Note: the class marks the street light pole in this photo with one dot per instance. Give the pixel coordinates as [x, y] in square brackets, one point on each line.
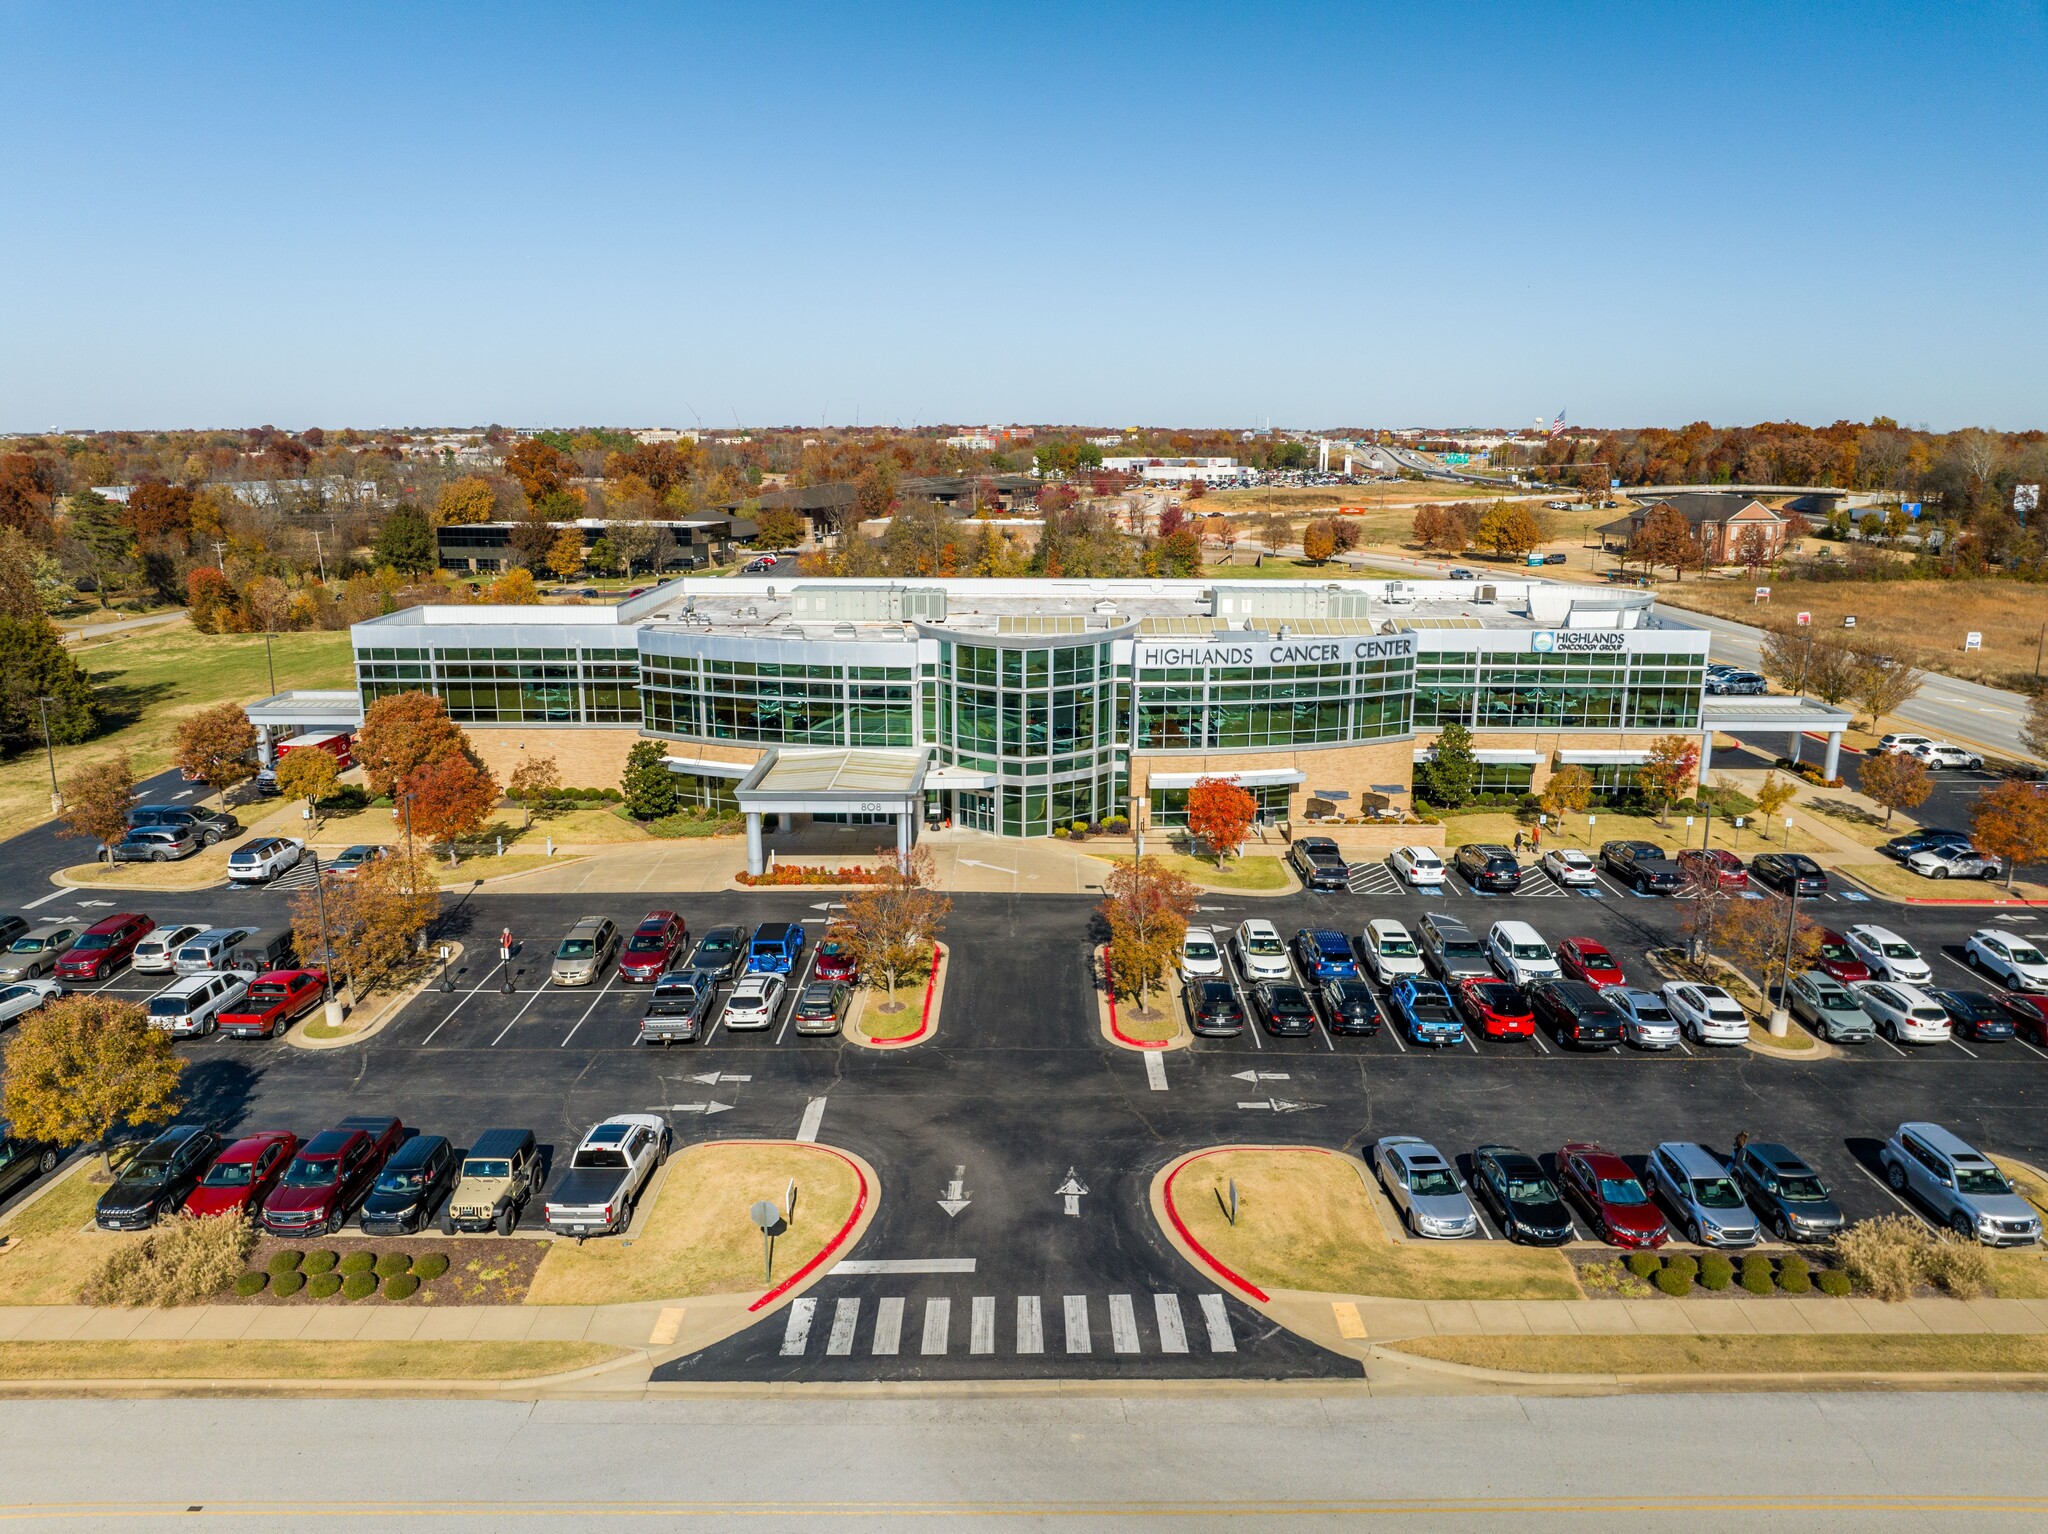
[270, 661]
[49, 750]
[1780, 1018]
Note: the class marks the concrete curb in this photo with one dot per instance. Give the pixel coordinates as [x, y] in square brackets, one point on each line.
[1106, 1014]
[934, 999]
[386, 1013]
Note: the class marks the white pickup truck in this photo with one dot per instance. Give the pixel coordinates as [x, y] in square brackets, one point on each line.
[595, 1197]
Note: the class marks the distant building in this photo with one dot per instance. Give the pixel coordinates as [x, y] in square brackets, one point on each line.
[1718, 520]
[486, 547]
[665, 434]
[285, 492]
[118, 494]
[971, 442]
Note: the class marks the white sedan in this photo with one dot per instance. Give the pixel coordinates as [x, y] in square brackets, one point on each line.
[1418, 865]
[1904, 1014]
[1952, 863]
[1569, 867]
[2014, 960]
[1707, 1012]
[753, 1002]
[1645, 1021]
[1889, 956]
[25, 996]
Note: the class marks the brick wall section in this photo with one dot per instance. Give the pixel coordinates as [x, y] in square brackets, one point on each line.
[1353, 769]
[588, 758]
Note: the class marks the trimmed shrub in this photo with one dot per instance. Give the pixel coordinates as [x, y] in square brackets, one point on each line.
[323, 1286]
[403, 1287]
[356, 1262]
[359, 1286]
[433, 1265]
[250, 1283]
[1644, 1264]
[1794, 1275]
[288, 1284]
[1685, 1264]
[1957, 1267]
[391, 1264]
[1834, 1283]
[1756, 1273]
[286, 1261]
[181, 1262]
[1674, 1282]
[317, 1263]
[1716, 1272]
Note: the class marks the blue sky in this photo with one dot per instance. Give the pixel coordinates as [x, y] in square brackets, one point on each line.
[1321, 215]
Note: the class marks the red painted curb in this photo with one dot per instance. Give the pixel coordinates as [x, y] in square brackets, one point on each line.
[1173, 1214]
[1985, 905]
[1109, 987]
[853, 1219]
[924, 1018]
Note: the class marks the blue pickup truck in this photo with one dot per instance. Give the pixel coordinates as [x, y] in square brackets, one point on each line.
[776, 948]
[1426, 1014]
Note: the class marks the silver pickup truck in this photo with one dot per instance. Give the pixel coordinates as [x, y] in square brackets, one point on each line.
[679, 1010]
[606, 1175]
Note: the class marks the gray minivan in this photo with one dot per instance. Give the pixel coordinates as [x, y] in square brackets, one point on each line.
[1958, 1185]
[591, 944]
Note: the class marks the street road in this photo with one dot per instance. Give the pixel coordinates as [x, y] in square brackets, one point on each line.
[1823, 1464]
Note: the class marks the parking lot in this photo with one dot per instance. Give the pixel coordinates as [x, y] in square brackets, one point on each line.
[1019, 1097]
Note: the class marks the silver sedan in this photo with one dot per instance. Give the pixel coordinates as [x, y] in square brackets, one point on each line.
[1424, 1188]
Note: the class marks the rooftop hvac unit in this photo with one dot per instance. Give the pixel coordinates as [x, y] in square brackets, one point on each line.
[1485, 594]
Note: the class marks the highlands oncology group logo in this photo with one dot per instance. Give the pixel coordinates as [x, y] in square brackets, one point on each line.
[1543, 641]
[1577, 641]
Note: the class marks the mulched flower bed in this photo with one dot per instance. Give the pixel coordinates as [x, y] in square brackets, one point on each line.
[482, 1270]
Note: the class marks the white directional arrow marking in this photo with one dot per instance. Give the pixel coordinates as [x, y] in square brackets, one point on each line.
[95, 902]
[704, 1108]
[1277, 1105]
[956, 1198]
[713, 1078]
[1071, 1190]
[185, 795]
[996, 867]
[1258, 1075]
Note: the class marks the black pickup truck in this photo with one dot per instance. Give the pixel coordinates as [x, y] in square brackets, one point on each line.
[1320, 864]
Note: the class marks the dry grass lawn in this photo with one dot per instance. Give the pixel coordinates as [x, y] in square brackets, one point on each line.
[1158, 1021]
[1823, 1353]
[886, 1014]
[202, 870]
[1253, 872]
[1848, 818]
[297, 1360]
[1461, 826]
[1306, 1221]
[698, 1239]
[50, 1253]
[1888, 878]
[1923, 621]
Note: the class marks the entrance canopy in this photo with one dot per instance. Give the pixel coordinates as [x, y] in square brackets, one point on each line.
[300, 713]
[859, 781]
[1796, 717]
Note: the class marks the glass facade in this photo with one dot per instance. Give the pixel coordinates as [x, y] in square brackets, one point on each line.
[779, 704]
[1222, 708]
[1045, 721]
[508, 685]
[1523, 690]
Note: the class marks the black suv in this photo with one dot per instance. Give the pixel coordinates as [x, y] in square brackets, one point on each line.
[1348, 1006]
[22, 1161]
[406, 1193]
[1575, 1013]
[1213, 1008]
[1320, 864]
[208, 826]
[1488, 866]
[1787, 871]
[156, 1178]
[1642, 866]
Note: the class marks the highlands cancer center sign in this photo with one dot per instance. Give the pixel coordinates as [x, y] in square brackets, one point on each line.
[1210, 654]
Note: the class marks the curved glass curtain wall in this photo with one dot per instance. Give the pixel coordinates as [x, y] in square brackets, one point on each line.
[1046, 721]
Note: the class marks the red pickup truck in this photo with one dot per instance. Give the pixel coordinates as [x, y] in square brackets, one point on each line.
[275, 1001]
[330, 1175]
[243, 1174]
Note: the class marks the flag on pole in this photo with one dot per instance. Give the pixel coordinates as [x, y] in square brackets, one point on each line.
[1557, 425]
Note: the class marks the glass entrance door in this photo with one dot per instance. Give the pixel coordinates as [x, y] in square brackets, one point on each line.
[977, 809]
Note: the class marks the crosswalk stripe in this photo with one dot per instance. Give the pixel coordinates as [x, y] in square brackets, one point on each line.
[1030, 1325]
[796, 1336]
[1077, 1323]
[1173, 1332]
[981, 1337]
[888, 1326]
[938, 1321]
[1218, 1320]
[845, 1318]
[1123, 1324]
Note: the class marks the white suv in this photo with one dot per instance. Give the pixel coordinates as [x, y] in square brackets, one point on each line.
[2014, 960]
[263, 860]
[1905, 1014]
[1390, 951]
[1939, 753]
[1707, 1012]
[1260, 953]
[1889, 956]
[1200, 958]
[191, 1004]
[1520, 954]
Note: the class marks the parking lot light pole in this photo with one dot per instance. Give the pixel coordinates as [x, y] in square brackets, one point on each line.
[49, 750]
[1781, 1019]
[329, 1002]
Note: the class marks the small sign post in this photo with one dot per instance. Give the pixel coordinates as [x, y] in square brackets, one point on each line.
[1974, 640]
[767, 1216]
[1805, 619]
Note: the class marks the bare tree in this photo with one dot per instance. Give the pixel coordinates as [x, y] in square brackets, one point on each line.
[1883, 684]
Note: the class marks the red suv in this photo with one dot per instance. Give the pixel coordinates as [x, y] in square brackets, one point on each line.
[104, 947]
[275, 1001]
[836, 961]
[1714, 864]
[1839, 960]
[1583, 959]
[653, 947]
[242, 1176]
[329, 1176]
[1610, 1196]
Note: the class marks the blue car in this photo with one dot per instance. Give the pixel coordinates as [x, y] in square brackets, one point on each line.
[1324, 955]
[776, 948]
[1425, 1012]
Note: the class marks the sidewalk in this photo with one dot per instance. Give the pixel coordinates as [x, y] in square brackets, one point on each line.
[628, 1326]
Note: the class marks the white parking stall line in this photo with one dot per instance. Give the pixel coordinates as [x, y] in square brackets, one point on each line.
[467, 995]
[1155, 1070]
[1959, 1045]
[845, 1321]
[1903, 1203]
[1030, 1324]
[1173, 1331]
[1888, 1044]
[1536, 1038]
[1076, 1306]
[45, 899]
[938, 1325]
[789, 1001]
[981, 1330]
[888, 1327]
[590, 1009]
[2023, 1044]
[1123, 1324]
[1217, 1318]
[536, 996]
[796, 1335]
[1393, 1029]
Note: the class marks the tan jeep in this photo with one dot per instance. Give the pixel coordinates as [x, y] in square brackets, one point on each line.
[499, 1174]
